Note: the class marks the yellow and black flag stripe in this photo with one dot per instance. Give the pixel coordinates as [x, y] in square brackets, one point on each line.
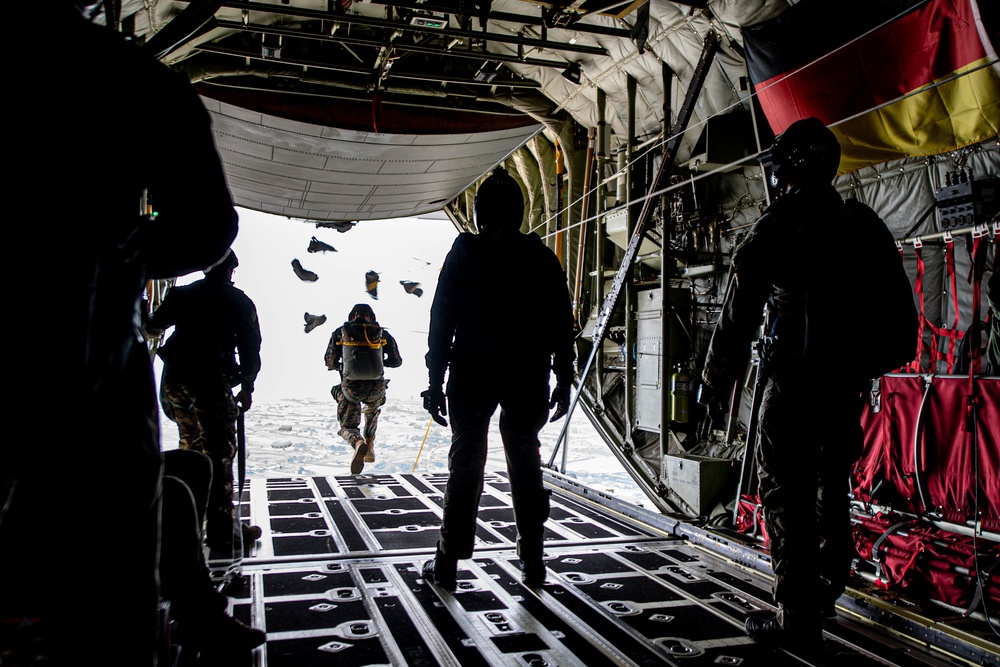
[892, 78]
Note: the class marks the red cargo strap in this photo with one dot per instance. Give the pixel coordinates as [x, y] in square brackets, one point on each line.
[915, 366]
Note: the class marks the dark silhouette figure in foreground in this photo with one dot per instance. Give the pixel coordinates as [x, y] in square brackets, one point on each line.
[86, 176]
[491, 282]
[809, 430]
[213, 321]
[201, 626]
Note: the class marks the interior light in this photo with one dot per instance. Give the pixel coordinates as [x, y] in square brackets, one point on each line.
[572, 72]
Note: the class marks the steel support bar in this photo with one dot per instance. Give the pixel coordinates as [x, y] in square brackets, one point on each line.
[370, 21]
[625, 270]
[191, 21]
[415, 48]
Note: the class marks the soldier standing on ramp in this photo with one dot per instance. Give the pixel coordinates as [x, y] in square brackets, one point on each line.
[213, 321]
[360, 350]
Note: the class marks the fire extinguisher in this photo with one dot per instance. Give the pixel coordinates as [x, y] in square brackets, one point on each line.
[680, 394]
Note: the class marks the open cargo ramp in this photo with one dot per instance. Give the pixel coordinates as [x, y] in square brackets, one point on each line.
[335, 580]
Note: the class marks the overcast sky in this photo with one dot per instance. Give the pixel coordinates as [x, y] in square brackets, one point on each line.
[410, 249]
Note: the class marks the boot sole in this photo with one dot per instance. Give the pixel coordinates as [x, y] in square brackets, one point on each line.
[358, 460]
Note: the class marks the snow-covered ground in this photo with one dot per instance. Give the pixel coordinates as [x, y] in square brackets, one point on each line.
[298, 437]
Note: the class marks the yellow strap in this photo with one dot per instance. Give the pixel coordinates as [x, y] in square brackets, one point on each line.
[368, 343]
[353, 343]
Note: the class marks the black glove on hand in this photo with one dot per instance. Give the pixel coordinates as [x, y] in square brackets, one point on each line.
[559, 401]
[434, 403]
[709, 397]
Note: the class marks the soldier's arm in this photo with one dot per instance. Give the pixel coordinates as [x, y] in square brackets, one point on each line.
[444, 312]
[333, 352]
[390, 351]
[248, 342]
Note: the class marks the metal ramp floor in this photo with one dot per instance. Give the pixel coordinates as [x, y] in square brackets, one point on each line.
[335, 580]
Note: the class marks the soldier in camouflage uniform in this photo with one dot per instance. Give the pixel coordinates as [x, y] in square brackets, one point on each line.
[213, 321]
[359, 350]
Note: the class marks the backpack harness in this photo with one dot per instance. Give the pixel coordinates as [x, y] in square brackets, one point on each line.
[362, 344]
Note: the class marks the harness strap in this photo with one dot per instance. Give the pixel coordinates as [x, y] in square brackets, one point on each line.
[368, 342]
[953, 334]
[976, 273]
[355, 343]
[981, 579]
[877, 544]
[918, 287]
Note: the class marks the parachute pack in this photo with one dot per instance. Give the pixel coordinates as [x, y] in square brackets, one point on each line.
[884, 298]
[362, 350]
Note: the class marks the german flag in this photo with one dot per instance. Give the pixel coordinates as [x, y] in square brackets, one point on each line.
[891, 78]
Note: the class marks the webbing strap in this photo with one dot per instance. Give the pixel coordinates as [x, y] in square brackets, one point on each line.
[356, 343]
[981, 579]
[976, 272]
[367, 342]
[953, 335]
[877, 544]
[918, 287]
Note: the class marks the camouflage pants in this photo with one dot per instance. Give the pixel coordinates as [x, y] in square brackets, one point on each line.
[355, 397]
[203, 407]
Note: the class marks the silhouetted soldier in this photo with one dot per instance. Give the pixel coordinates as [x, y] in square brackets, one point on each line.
[213, 321]
[501, 322]
[809, 429]
[79, 524]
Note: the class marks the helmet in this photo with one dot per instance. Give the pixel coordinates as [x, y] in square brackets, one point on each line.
[226, 264]
[499, 204]
[807, 151]
[361, 311]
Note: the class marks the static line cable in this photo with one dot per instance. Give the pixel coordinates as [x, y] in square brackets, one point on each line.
[429, 422]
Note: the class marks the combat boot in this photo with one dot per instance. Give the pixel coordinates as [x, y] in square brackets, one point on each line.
[441, 570]
[533, 572]
[251, 533]
[370, 456]
[803, 637]
[358, 458]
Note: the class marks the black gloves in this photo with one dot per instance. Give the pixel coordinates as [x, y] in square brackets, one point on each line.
[710, 398]
[434, 403]
[559, 401]
[244, 400]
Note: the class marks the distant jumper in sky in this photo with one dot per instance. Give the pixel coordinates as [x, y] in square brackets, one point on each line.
[371, 283]
[303, 274]
[411, 287]
[315, 245]
[313, 321]
[340, 225]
